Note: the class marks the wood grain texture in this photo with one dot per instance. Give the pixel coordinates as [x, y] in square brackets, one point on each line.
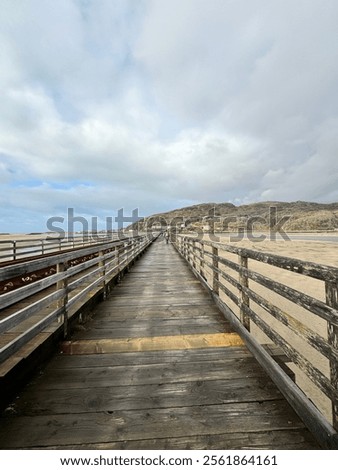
[275, 440]
[154, 423]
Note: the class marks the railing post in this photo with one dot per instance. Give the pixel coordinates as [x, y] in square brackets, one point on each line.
[244, 299]
[187, 252]
[331, 290]
[215, 277]
[202, 260]
[118, 260]
[193, 248]
[133, 252]
[129, 254]
[181, 245]
[184, 247]
[102, 264]
[14, 250]
[42, 247]
[63, 302]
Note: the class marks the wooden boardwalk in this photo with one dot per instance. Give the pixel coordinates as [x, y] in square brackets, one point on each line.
[157, 367]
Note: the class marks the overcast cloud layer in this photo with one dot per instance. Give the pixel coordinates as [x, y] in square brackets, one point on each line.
[157, 105]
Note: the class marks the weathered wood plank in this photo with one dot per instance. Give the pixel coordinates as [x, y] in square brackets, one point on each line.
[154, 423]
[110, 310]
[12, 297]
[150, 373]
[306, 301]
[245, 300]
[9, 349]
[164, 301]
[331, 290]
[317, 377]
[14, 319]
[23, 353]
[26, 267]
[307, 268]
[163, 395]
[274, 440]
[212, 355]
[154, 318]
[155, 329]
[301, 330]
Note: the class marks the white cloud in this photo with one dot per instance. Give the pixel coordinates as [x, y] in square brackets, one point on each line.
[153, 103]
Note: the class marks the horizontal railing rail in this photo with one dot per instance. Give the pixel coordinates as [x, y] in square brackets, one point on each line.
[72, 277]
[20, 248]
[232, 282]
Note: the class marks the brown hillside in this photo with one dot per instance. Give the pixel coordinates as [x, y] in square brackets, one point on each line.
[301, 216]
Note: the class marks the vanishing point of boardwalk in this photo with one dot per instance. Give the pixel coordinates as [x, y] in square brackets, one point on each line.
[157, 367]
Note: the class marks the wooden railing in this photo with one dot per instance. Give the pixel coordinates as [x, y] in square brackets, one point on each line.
[20, 248]
[68, 280]
[244, 295]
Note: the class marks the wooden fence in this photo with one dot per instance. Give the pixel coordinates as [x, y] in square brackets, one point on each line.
[232, 282]
[11, 250]
[68, 280]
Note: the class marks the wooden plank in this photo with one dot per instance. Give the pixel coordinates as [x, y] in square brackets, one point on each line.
[312, 372]
[165, 300]
[109, 310]
[113, 330]
[155, 423]
[26, 267]
[12, 297]
[23, 353]
[120, 333]
[273, 439]
[108, 376]
[244, 283]
[331, 291]
[64, 361]
[306, 301]
[140, 317]
[17, 317]
[85, 278]
[7, 350]
[307, 268]
[301, 330]
[215, 278]
[163, 395]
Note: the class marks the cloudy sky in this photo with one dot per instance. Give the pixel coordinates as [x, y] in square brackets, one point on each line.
[157, 104]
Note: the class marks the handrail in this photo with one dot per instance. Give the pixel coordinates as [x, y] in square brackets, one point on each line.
[236, 284]
[20, 248]
[71, 276]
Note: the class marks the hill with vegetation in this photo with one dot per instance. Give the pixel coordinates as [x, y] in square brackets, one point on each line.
[299, 216]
